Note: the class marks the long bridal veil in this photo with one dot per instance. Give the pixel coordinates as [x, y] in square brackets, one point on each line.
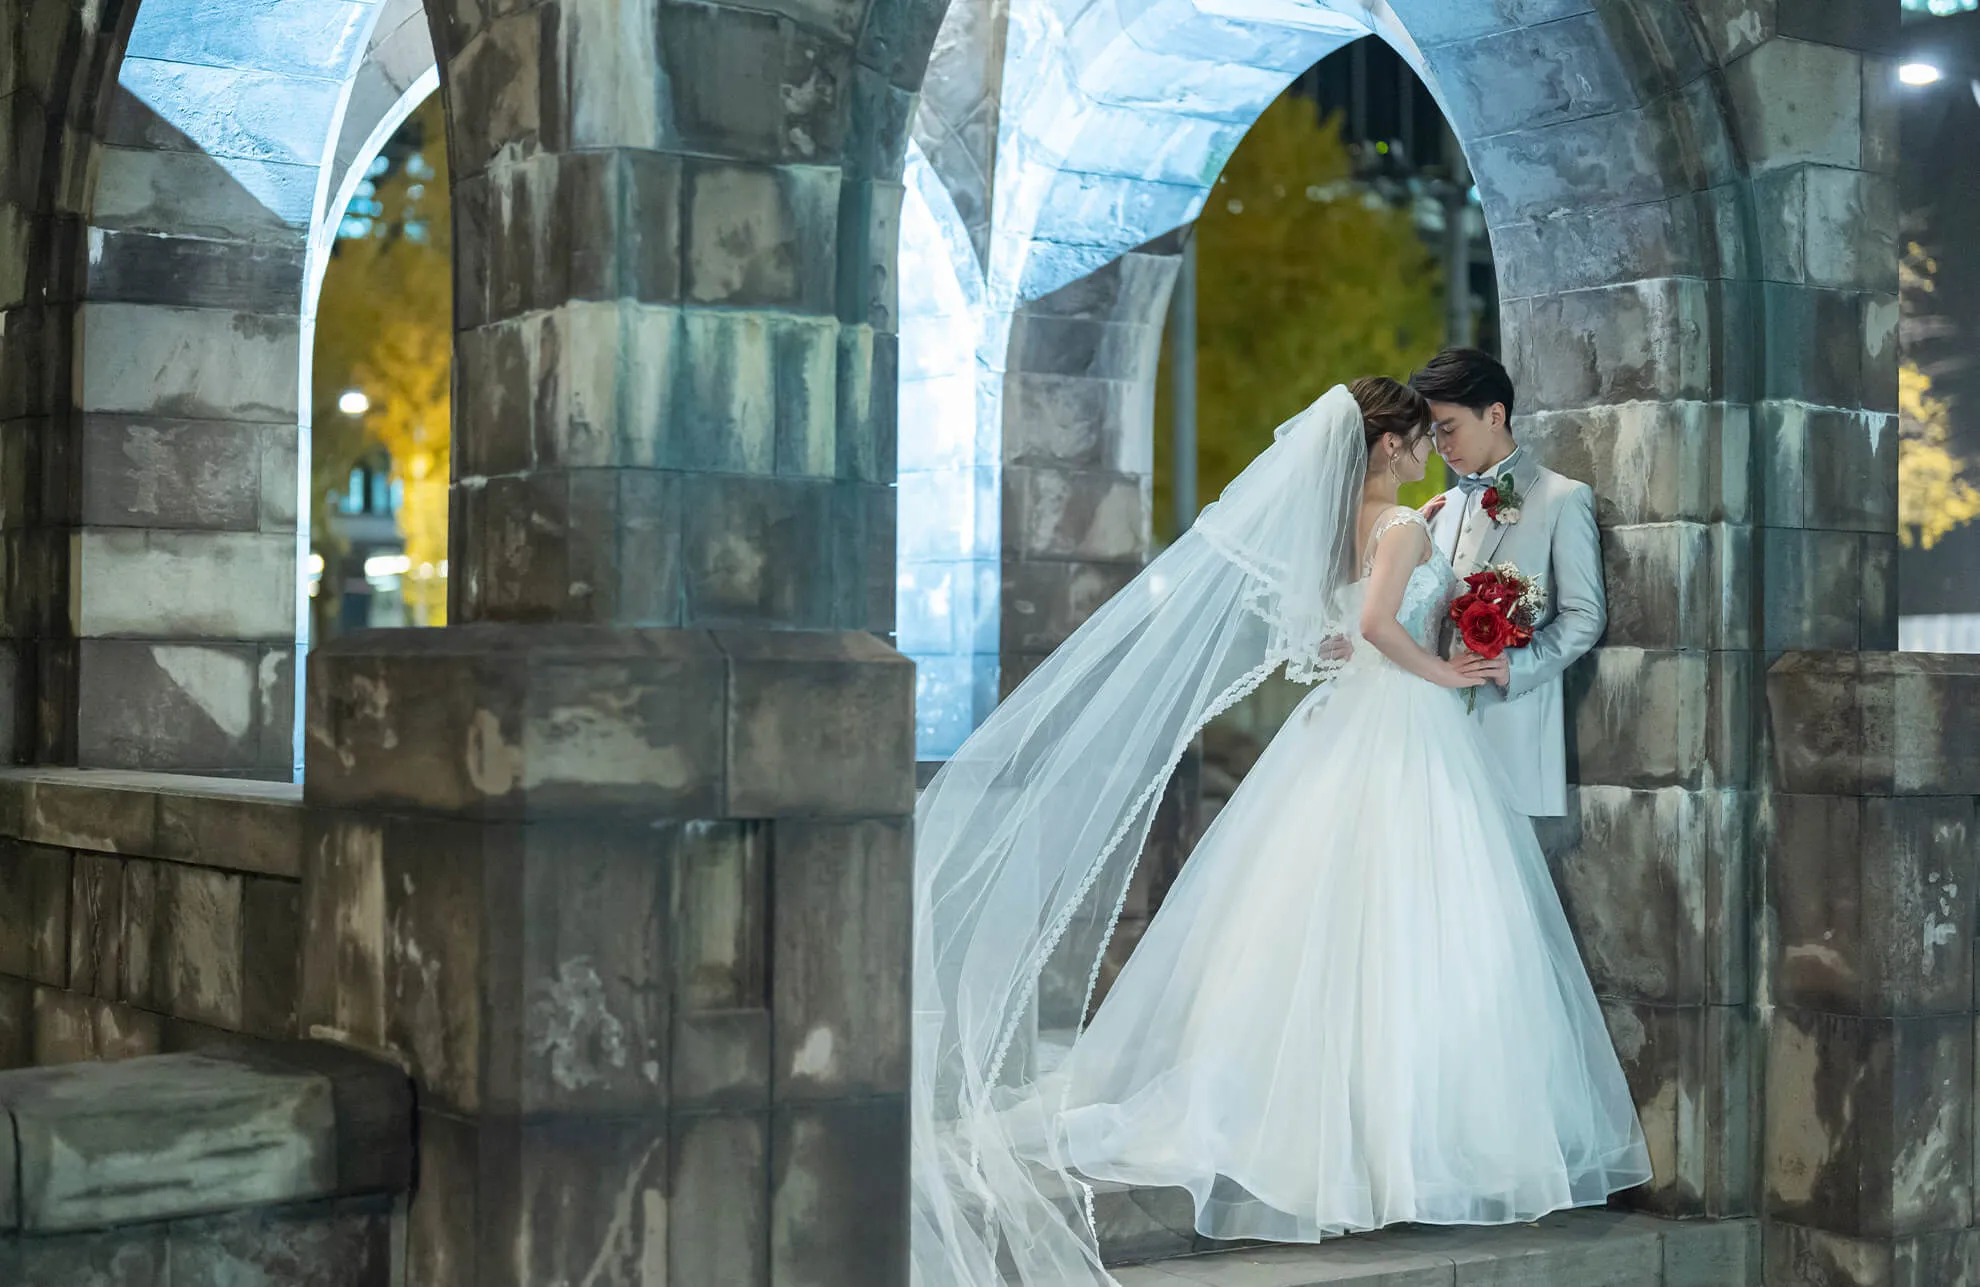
[1027, 839]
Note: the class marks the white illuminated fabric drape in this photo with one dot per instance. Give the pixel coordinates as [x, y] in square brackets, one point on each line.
[1027, 839]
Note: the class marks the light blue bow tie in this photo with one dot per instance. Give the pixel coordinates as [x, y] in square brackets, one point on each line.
[1473, 484]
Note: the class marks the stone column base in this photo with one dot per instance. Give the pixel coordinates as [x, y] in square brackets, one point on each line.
[633, 907]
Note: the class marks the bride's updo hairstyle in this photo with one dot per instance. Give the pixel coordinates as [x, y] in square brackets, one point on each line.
[1390, 407]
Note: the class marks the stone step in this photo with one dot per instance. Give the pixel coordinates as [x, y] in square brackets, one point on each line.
[1568, 1249]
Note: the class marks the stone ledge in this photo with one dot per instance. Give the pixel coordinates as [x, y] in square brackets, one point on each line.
[1566, 1249]
[252, 827]
[248, 1124]
[495, 721]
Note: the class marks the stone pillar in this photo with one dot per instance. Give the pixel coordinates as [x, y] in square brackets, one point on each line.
[1872, 853]
[186, 448]
[620, 866]
[1079, 414]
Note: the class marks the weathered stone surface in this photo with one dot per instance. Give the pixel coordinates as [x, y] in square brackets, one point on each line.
[1643, 340]
[96, 925]
[1707, 1253]
[721, 935]
[1796, 102]
[757, 551]
[197, 945]
[720, 1172]
[1043, 603]
[207, 707]
[1074, 515]
[144, 472]
[139, 363]
[372, 1101]
[1650, 462]
[572, 1013]
[839, 1194]
[158, 1138]
[103, 811]
[16, 1023]
[1654, 883]
[196, 272]
[133, 1257]
[1829, 347]
[1869, 900]
[71, 1028]
[1799, 1255]
[842, 1009]
[1827, 469]
[210, 585]
[508, 721]
[1693, 1072]
[34, 912]
[345, 1244]
[750, 236]
[500, 1211]
[242, 827]
[818, 725]
[1643, 718]
[1905, 1167]
[185, 194]
[1664, 582]
[271, 945]
[1875, 724]
[1829, 227]
[1828, 589]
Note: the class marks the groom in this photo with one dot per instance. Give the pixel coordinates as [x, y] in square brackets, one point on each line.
[1508, 508]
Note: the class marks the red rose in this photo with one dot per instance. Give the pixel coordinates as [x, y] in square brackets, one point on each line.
[1485, 629]
[1491, 501]
[1500, 594]
[1462, 602]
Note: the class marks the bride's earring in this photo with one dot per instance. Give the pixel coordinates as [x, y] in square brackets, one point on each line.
[1392, 465]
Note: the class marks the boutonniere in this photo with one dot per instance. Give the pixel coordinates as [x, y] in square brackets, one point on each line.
[1502, 500]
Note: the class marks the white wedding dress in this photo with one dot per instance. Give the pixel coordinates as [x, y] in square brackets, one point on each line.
[1360, 1003]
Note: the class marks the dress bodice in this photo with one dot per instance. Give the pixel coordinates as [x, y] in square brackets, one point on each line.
[1426, 598]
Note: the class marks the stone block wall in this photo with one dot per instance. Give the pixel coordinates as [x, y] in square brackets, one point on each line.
[280, 1164]
[1872, 845]
[1078, 450]
[630, 906]
[142, 913]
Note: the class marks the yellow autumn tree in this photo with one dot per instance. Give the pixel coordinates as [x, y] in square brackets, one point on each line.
[1936, 488]
[1305, 279]
[1935, 491]
[385, 327]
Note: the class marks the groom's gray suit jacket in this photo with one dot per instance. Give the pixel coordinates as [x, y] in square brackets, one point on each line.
[1555, 540]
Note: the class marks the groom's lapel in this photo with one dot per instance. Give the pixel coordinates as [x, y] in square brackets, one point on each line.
[1481, 541]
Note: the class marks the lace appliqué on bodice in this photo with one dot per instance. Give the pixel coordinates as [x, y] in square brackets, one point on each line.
[1432, 584]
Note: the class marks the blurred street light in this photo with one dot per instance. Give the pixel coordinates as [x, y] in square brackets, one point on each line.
[354, 403]
[1919, 74]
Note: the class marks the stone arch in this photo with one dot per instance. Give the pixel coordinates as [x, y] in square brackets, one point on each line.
[1689, 333]
[211, 160]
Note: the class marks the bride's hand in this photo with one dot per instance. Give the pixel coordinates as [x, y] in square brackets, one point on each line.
[1469, 670]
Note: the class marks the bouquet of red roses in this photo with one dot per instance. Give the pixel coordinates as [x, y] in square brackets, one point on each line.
[1496, 612]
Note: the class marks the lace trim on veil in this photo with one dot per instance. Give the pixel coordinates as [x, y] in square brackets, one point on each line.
[1303, 664]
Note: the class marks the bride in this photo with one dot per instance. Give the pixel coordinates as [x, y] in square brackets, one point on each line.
[1359, 1004]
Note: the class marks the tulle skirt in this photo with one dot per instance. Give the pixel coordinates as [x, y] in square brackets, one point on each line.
[1360, 1003]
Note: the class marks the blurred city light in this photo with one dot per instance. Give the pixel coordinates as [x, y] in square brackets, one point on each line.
[1919, 73]
[354, 403]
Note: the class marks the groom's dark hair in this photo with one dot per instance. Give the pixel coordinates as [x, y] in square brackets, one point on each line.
[1468, 377]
